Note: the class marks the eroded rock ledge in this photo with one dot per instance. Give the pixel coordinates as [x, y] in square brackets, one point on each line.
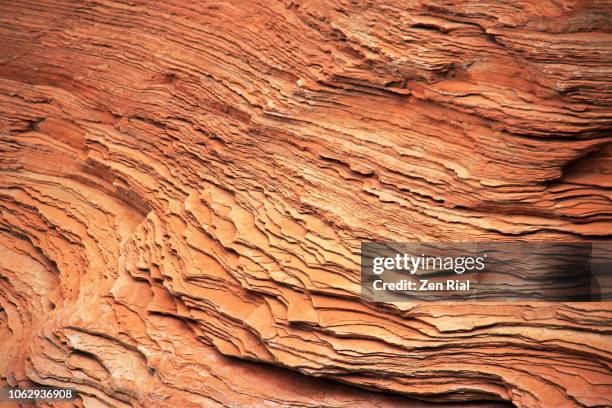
[184, 186]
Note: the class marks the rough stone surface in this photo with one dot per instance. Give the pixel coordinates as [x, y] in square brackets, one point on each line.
[184, 186]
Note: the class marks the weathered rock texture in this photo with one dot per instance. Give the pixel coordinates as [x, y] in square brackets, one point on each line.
[184, 187]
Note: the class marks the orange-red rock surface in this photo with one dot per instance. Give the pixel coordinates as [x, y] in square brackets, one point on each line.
[184, 187]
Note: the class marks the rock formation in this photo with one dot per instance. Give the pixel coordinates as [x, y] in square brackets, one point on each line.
[184, 187]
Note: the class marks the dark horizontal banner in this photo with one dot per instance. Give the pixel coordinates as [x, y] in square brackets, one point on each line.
[492, 272]
[36, 395]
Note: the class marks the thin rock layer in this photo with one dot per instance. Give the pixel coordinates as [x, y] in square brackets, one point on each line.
[184, 187]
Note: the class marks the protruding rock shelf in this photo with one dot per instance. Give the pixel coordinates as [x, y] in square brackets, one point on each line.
[184, 187]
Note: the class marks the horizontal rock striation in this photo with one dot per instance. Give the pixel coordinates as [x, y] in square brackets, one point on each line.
[184, 187]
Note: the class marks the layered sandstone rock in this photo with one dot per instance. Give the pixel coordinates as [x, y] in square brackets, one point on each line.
[184, 187]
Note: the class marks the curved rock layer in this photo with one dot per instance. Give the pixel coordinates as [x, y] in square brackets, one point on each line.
[184, 187]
